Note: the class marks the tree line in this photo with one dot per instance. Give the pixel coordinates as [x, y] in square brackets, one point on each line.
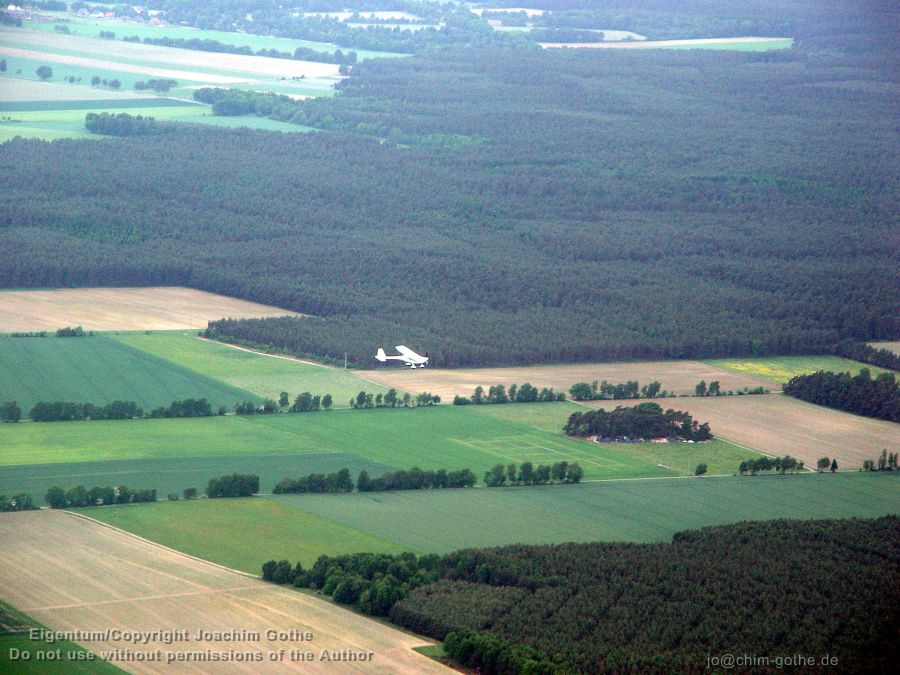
[19, 502]
[235, 485]
[58, 498]
[66, 411]
[497, 393]
[392, 399]
[861, 351]
[859, 394]
[416, 479]
[527, 474]
[780, 465]
[887, 461]
[207, 45]
[123, 124]
[622, 607]
[645, 420]
[316, 483]
[582, 391]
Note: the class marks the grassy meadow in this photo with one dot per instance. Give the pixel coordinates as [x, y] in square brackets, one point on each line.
[780, 369]
[238, 532]
[99, 370]
[266, 376]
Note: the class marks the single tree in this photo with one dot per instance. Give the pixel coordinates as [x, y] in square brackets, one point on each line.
[44, 72]
[56, 497]
[10, 412]
[823, 463]
[326, 402]
[283, 399]
[700, 470]
[834, 466]
[700, 389]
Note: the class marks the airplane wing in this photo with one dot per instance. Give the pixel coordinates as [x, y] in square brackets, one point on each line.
[406, 351]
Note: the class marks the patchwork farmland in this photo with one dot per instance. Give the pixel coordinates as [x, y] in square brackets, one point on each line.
[85, 576]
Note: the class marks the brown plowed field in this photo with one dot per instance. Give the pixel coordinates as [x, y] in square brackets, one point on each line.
[73, 574]
[781, 425]
[158, 308]
[676, 376]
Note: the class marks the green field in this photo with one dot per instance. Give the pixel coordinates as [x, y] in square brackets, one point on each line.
[69, 123]
[444, 520]
[762, 46]
[91, 27]
[780, 369]
[638, 510]
[261, 374]
[242, 533]
[99, 370]
[38, 661]
[169, 475]
[442, 437]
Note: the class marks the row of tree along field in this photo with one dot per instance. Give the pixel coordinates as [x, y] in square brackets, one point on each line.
[536, 223]
[637, 607]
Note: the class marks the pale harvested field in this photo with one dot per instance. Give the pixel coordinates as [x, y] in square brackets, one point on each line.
[73, 574]
[654, 43]
[676, 376]
[176, 74]
[157, 308]
[125, 56]
[780, 425]
[14, 89]
[890, 346]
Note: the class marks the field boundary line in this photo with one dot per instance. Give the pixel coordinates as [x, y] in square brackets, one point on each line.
[158, 545]
[274, 356]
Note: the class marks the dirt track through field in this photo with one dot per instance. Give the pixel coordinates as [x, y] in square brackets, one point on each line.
[780, 425]
[677, 376]
[71, 574]
[157, 308]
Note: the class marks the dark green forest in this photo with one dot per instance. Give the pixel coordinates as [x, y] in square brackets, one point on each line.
[777, 588]
[507, 206]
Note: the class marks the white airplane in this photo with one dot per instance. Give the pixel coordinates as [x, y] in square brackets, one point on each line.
[407, 355]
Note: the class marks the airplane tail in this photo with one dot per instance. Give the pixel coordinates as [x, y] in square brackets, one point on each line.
[381, 356]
